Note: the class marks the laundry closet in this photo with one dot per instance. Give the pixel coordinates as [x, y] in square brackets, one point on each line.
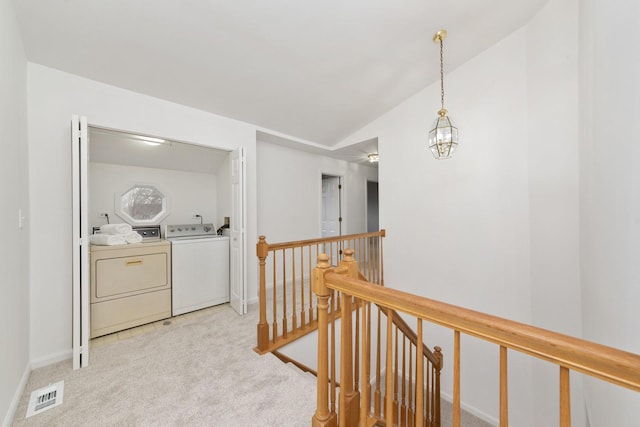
[166, 249]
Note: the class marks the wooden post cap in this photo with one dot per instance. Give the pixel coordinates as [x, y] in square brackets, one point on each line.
[348, 255]
[323, 261]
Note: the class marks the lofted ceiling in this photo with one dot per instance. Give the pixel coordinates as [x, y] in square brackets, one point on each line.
[314, 70]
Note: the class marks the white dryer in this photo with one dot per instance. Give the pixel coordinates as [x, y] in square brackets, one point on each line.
[200, 267]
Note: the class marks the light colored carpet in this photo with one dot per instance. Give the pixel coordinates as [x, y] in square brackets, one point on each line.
[198, 371]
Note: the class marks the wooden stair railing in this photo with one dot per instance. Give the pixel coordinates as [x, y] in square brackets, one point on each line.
[287, 303]
[406, 363]
[356, 408]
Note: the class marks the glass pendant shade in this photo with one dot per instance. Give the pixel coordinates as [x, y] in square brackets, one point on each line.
[443, 138]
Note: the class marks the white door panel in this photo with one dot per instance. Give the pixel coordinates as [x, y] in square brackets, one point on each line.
[330, 226]
[237, 228]
[80, 236]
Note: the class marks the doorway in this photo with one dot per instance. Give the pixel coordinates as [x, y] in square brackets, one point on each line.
[373, 224]
[197, 181]
[331, 218]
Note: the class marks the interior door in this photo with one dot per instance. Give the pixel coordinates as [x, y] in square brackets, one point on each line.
[80, 236]
[331, 206]
[238, 235]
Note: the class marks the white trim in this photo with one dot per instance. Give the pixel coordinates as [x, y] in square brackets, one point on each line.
[51, 359]
[17, 396]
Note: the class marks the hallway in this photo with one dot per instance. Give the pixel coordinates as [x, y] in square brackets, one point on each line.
[195, 369]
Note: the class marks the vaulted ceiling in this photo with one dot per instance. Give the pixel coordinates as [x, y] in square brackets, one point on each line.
[313, 70]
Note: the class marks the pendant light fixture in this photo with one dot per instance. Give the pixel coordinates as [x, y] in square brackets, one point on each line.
[443, 138]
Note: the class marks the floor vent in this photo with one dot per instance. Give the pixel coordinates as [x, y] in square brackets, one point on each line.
[45, 398]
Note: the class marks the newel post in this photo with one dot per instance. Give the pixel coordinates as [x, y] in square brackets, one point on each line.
[262, 250]
[438, 354]
[349, 399]
[322, 417]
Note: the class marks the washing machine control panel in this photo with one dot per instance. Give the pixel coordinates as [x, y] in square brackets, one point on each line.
[189, 230]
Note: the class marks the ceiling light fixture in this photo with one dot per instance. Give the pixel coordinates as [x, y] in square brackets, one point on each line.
[443, 138]
[149, 140]
[373, 158]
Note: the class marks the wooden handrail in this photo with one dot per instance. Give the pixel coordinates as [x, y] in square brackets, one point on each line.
[291, 313]
[597, 360]
[309, 242]
[415, 401]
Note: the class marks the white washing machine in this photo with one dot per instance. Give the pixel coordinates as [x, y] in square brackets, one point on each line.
[199, 265]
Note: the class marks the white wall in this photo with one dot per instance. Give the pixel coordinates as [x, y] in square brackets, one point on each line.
[458, 230]
[552, 128]
[53, 96]
[610, 194]
[497, 225]
[14, 193]
[290, 192]
[188, 193]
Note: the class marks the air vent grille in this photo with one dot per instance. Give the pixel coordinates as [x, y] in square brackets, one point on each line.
[45, 398]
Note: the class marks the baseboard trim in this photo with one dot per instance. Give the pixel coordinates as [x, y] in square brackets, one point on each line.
[470, 409]
[11, 412]
[51, 359]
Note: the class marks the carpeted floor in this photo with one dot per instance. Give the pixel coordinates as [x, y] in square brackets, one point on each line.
[200, 370]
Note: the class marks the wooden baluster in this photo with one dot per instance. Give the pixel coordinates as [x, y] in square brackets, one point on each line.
[349, 398]
[456, 379]
[565, 398]
[294, 302]
[322, 416]
[365, 398]
[346, 377]
[352, 244]
[332, 377]
[419, 377]
[430, 398]
[504, 394]
[382, 259]
[262, 249]
[285, 328]
[435, 394]
[361, 251]
[396, 414]
[303, 319]
[403, 394]
[410, 412]
[376, 267]
[275, 299]
[311, 308]
[388, 378]
[436, 397]
[427, 385]
[356, 351]
[376, 394]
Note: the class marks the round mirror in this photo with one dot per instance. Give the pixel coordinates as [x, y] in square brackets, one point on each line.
[141, 205]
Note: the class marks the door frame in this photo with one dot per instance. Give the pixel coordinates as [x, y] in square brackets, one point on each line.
[341, 202]
[80, 275]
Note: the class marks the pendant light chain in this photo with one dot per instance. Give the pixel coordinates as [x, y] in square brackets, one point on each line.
[443, 137]
[441, 76]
